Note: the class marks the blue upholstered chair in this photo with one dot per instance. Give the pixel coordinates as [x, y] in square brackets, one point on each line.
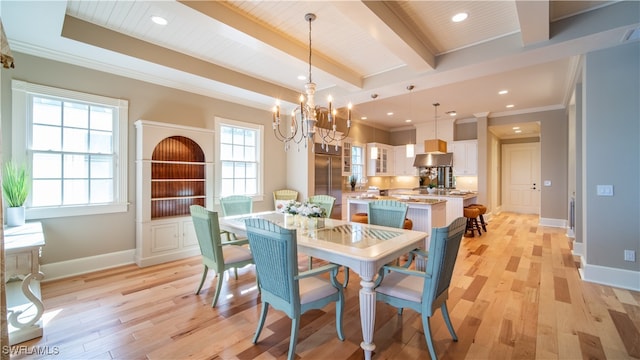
[235, 205]
[216, 255]
[427, 291]
[276, 257]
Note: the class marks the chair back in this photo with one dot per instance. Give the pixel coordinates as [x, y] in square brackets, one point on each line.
[443, 251]
[207, 230]
[275, 254]
[324, 201]
[387, 213]
[236, 205]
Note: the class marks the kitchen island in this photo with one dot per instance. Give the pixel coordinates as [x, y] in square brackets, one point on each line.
[424, 213]
[456, 200]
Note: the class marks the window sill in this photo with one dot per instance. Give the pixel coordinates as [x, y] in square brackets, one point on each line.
[67, 211]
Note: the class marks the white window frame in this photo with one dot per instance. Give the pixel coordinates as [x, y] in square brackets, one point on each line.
[21, 147]
[218, 122]
[363, 151]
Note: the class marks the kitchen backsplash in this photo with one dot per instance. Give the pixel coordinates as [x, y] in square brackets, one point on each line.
[409, 182]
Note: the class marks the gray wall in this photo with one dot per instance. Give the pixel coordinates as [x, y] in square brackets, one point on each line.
[612, 155]
[83, 236]
[554, 133]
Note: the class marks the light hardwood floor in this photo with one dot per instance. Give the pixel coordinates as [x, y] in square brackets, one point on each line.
[516, 294]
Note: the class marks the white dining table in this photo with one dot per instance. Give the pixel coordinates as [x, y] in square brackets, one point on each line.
[361, 247]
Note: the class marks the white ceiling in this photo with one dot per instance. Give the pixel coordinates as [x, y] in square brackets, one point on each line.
[252, 52]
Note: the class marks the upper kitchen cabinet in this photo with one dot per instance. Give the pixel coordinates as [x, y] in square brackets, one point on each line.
[353, 162]
[380, 164]
[465, 157]
[403, 165]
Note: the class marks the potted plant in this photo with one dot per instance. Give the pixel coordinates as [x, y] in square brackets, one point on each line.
[352, 181]
[431, 188]
[15, 187]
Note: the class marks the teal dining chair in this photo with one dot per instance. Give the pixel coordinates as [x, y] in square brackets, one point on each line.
[326, 202]
[217, 255]
[389, 213]
[275, 254]
[425, 291]
[235, 205]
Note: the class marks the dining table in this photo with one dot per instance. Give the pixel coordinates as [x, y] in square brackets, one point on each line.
[363, 248]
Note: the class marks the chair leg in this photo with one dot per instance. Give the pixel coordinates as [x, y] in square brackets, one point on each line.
[263, 317]
[469, 228]
[346, 277]
[295, 326]
[484, 225]
[447, 320]
[235, 273]
[310, 262]
[427, 336]
[218, 288]
[339, 316]
[204, 276]
[477, 226]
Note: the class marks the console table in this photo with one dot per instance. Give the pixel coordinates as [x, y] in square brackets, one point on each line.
[23, 245]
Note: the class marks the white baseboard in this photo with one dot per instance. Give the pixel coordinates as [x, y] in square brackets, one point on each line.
[560, 223]
[578, 248]
[621, 278]
[163, 258]
[64, 269]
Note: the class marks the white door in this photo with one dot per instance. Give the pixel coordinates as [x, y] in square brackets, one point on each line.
[521, 178]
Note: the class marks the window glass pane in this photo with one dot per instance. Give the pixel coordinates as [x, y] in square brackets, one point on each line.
[238, 187]
[46, 193]
[250, 154]
[75, 192]
[100, 142]
[101, 118]
[226, 152]
[226, 187]
[250, 138]
[101, 167]
[47, 111]
[252, 187]
[227, 170]
[238, 136]
[101, 191]
[226, 135]
[252, 170]
[76, 115]
[75, 140]
[47, 166]
[238, 152]
[239, 170]
[46, 138]
[76, 167]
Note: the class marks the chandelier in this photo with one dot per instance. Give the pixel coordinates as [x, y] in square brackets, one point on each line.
[305, 117]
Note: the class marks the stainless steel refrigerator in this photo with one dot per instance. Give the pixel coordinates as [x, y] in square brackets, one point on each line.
[328, 179]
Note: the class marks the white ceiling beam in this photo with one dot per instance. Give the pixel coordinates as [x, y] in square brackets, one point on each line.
[396, 31]
[534, 20]
[226, 15]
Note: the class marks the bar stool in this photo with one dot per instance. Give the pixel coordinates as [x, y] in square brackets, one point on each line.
[483, 210]
[472, 221]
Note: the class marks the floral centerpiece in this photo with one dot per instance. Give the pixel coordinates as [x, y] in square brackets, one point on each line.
[295, 212]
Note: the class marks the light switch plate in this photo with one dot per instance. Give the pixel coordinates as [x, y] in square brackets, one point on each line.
[604, 190]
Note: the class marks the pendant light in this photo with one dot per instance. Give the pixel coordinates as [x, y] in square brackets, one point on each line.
[435, 146]
[374, 148]
[411, 147]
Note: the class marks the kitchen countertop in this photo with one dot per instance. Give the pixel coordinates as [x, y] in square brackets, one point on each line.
[437, 194]
[408, 199]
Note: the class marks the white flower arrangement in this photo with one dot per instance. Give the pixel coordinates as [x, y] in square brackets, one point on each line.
[305, 209]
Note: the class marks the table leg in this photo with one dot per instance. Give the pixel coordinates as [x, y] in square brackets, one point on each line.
[367, 315]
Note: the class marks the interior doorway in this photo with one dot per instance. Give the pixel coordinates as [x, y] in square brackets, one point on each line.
[521, 178]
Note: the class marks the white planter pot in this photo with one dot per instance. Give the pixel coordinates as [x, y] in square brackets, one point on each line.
[14, 216]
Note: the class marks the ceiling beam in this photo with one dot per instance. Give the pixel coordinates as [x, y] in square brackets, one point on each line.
[218, 11]
[407, 35]
[88, 33]
[534, 20]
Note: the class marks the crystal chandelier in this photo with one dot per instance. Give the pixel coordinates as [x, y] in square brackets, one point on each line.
[305, 117]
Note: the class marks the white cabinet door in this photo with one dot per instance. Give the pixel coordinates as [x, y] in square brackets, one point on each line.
[403, 164]
[382, 165]
[465, 157]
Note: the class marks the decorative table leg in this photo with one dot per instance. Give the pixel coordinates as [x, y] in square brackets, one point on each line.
[26, 290]
[367, 316]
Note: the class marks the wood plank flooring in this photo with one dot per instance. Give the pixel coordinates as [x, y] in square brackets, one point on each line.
[516, 294]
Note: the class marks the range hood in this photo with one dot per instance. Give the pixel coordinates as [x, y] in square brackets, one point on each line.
[433, 160]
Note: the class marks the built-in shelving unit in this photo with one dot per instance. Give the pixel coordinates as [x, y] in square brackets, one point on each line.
[174, 170]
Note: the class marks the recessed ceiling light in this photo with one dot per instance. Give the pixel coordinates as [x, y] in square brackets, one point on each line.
[510, 105]
[452, 113]
[459, 17]
[302, 77]
[363, 118]
[516, 128]
[408, 121]
[503, 92]
[159, 20]
[390, 113]
[518, 131]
